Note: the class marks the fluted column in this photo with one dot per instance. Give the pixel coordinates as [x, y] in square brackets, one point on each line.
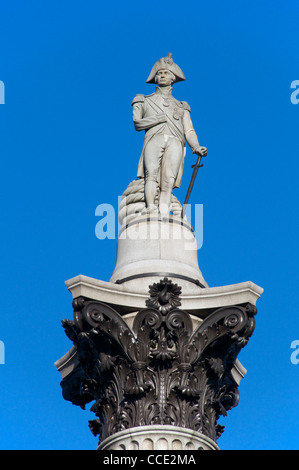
[158, 437]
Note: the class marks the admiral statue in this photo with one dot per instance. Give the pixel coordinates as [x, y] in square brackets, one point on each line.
[167, 125]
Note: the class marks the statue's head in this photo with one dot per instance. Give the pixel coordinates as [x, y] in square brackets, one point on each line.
[164, 77]
[165, 70]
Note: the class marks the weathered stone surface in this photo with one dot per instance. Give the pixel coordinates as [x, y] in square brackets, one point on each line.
[195, 300]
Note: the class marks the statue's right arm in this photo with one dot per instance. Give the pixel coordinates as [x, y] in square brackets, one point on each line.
[143, 123]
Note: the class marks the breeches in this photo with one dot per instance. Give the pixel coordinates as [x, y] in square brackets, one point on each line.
[165, 152]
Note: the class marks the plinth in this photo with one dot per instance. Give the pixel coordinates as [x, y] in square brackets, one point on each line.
[149, 248]
[155, 348]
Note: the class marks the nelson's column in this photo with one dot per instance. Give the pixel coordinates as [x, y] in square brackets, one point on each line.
[155, 348]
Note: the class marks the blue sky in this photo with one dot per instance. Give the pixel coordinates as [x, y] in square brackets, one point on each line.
[71, 70]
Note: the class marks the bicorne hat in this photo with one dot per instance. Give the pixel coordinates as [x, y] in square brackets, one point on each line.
[166, 63]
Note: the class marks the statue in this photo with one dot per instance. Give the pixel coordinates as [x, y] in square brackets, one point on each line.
[167, 125]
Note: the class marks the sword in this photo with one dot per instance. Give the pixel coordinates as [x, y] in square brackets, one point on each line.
[195, 170]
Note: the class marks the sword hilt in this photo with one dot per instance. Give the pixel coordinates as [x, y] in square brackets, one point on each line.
[196, 165]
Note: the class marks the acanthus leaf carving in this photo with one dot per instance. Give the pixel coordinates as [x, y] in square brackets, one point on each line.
[160, 371]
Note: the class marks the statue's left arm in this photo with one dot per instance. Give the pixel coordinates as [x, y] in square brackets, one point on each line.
[190, 134]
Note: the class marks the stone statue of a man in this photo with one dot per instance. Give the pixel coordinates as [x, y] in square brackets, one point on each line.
[167, 125]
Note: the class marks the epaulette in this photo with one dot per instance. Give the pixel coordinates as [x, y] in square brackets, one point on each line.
[186, 105]
[138, 99]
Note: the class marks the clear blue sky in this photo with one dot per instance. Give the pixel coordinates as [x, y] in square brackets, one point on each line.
[68, 144]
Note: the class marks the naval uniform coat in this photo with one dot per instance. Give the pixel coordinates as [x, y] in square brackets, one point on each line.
[147, 116]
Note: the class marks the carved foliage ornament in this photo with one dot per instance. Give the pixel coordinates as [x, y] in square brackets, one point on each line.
[159, 372]
[164, 296]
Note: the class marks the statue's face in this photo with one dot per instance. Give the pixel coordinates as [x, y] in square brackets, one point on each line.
[164, 78]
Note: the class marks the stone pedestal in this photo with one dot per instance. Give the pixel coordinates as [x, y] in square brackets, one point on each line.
[155, 348]
[151, 248]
